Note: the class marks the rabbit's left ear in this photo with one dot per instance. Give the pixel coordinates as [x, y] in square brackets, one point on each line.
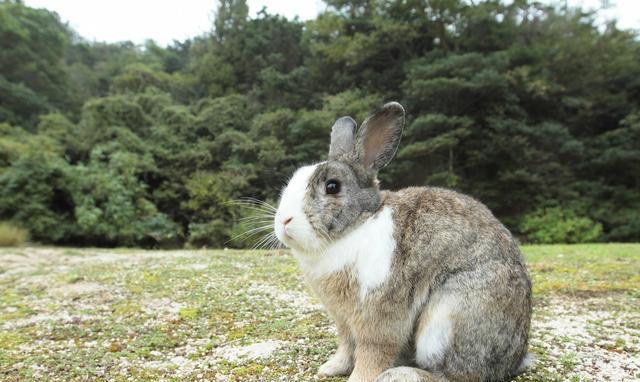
[379, 136]
[342, 134]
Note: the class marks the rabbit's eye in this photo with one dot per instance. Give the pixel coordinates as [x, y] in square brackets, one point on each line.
[332, 187]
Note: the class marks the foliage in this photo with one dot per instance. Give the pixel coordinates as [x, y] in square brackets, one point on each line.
[32, 49]
[12, 235]
[36, 192]
[111, 208]
[557, 225]
[533, 109]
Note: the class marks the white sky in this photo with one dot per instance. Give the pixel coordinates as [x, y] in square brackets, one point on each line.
[166, 20]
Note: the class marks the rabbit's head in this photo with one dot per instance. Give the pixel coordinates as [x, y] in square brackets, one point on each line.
[322, 202]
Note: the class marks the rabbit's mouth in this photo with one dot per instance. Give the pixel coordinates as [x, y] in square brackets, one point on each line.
[286, 233]
[291, 232]
[283, 233]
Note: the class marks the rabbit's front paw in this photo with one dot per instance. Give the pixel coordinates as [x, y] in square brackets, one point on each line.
[335, 366]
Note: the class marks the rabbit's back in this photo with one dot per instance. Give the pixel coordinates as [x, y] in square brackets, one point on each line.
[449, 228]
[461, 270]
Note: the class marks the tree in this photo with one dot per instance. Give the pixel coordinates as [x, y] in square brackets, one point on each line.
[32, 49]
[533, 109]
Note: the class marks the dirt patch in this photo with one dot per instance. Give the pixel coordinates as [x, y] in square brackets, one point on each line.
[249, 352]
[597, 345]
[302, 302]
[76, 290]
[63, 318]
[194, 266]
[162, 308]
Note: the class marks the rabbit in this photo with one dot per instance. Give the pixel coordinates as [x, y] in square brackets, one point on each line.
[424, 284]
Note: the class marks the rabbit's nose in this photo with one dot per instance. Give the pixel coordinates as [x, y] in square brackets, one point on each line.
[287, 220]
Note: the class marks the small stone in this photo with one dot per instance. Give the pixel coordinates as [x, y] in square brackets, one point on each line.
[115, 347]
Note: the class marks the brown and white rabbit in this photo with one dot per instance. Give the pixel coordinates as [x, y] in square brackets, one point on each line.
[423, 276]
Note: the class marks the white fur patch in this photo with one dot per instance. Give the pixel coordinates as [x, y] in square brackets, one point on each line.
[368, 250]
[435, 337]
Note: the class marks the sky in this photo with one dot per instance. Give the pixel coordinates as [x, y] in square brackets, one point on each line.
[168, 20]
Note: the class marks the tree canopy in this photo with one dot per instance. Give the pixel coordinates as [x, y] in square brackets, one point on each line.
[533, 109]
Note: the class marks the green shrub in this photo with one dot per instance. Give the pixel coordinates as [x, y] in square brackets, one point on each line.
[36, 193]
[213, 233]
[111, 207]
[12, 235]
[555, 225]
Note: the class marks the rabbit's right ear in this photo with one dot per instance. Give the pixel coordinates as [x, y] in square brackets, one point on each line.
[342, 134]
[379, 136]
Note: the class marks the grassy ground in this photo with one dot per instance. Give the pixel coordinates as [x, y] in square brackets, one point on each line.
[129, 315]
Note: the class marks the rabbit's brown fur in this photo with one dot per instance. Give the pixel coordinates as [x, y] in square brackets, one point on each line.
[455, 302]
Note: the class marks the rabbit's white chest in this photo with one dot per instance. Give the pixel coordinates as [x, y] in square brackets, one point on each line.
[368, 250]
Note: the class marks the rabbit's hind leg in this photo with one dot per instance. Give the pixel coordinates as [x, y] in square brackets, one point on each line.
[475, 328]
[434, 333]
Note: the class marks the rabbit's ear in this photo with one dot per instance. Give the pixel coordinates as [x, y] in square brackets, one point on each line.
[342, 134]
[379, 136]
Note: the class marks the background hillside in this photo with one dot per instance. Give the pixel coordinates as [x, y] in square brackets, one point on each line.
[534, 110]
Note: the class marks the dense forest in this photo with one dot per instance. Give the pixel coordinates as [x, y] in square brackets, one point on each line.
[532, 109]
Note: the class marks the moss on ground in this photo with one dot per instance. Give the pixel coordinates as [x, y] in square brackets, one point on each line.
[70, 314]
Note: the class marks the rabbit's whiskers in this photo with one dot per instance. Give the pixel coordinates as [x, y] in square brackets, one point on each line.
[260, 224]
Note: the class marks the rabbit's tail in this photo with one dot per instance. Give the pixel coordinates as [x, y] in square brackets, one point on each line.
[527, 362]
[409, 374]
